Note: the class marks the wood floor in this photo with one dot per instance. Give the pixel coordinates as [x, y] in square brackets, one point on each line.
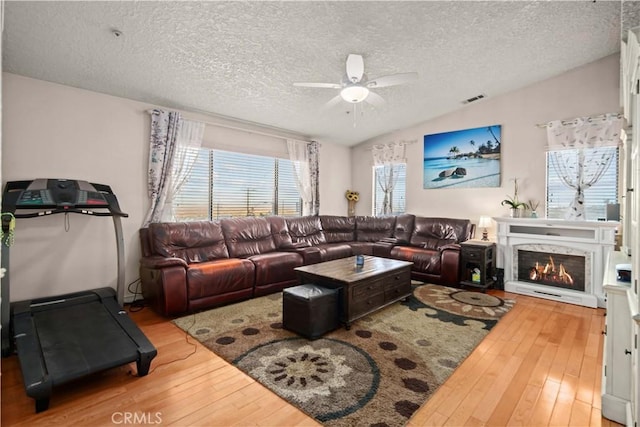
[541, 365]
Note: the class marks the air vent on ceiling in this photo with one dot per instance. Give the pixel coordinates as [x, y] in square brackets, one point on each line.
[475, 98]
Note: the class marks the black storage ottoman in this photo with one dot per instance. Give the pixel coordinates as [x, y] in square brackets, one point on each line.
[310, 310]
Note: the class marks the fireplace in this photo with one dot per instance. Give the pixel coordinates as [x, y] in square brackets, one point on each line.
[552, 269]
[555, 259]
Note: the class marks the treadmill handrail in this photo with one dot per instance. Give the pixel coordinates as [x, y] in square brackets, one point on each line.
[68, 210]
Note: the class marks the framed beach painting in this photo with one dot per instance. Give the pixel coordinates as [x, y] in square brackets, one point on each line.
[468, 158]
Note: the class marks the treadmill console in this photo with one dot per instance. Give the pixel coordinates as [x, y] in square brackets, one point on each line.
[50, 196]
[49, 193]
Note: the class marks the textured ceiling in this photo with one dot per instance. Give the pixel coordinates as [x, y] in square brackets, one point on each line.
[240, 59]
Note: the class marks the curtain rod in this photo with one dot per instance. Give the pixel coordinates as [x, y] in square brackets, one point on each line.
[272, 135]
[565, 122]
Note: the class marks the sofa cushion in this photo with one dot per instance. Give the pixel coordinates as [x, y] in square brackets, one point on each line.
[306, 229]
[424, 260]
[436, 244]
[280, 232]
[331, 251]
[275, 267]
[219, 277]
[338, 228]
[193, 242]
[427, 229]
[372, 229]
[404, 227]
[247, 236]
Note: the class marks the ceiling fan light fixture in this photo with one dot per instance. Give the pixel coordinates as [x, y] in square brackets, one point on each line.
[354, 93]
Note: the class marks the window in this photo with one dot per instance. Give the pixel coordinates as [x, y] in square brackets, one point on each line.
[605, 190]
[226, 184]
[382, 176]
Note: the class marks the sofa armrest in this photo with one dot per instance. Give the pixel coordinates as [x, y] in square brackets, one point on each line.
[156, 262]
[389, 240]
[450, 246]
[393, 241]
[310, 254]
[450, 265]
[296, 245]
[165, 289]
[383, 248]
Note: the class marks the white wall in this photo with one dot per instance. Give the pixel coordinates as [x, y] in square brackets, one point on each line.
[589, 90]
[51, 130]
[56, 131]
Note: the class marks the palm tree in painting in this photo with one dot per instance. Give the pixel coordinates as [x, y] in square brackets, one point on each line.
[493, 134]
[490, 145]
[454, 150]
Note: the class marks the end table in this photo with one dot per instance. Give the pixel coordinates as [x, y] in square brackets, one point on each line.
[477, 263]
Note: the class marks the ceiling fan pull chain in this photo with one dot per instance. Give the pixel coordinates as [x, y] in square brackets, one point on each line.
[355, 115]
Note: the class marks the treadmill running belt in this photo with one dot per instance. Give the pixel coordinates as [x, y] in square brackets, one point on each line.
[81, 339]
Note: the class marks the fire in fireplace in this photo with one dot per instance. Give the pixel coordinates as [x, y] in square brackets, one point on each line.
[562, 271]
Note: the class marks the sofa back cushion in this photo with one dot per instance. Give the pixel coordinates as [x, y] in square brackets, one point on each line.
[431, 233]
[197, 241]
[404, 227]
[306, 229]
[247, 236]
[372, 229]
[338, 228]
[280, 231]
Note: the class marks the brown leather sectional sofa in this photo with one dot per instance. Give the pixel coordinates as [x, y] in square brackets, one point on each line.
[191, 266]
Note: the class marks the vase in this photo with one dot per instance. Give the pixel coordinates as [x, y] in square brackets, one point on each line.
[351, 210]
[534, 214]
[514, 213]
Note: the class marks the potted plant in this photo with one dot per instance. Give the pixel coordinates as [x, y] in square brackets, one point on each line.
[514, 204]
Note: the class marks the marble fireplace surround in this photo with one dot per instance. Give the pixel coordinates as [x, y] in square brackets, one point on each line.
[591, 239]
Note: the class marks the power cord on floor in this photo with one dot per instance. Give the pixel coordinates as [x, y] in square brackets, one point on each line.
[186, 338]
[136, 304]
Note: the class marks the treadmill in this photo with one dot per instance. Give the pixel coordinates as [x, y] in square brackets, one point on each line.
[63, 338]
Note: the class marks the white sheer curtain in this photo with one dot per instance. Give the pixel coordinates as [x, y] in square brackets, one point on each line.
[301, 160]
[173, 142]
[188, 145]
[576, 154]
[387, 157]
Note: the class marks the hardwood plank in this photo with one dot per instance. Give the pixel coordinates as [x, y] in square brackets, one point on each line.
[543, 407]
[523, 373]
[580, 414]
[561, 414]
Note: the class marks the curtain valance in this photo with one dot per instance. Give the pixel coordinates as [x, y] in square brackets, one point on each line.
[392, 153]
[584, 132]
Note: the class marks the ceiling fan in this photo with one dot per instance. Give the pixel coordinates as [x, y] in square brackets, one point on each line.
[354, 86]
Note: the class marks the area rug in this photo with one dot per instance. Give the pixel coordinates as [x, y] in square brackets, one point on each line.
[377, 373]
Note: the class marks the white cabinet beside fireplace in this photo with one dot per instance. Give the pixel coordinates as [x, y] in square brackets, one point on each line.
[619, 351]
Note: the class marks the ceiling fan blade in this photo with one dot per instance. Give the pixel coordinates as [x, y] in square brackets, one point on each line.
[332, 103]
[392, 80]
[375, 99]
[355, 67]
[321, 85]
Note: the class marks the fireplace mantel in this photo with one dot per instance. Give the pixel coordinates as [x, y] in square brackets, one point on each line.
[593, 239]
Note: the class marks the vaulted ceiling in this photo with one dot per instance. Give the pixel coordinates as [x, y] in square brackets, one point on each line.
[240, 59]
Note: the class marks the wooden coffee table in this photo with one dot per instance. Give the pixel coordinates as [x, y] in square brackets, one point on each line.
[380, 282]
